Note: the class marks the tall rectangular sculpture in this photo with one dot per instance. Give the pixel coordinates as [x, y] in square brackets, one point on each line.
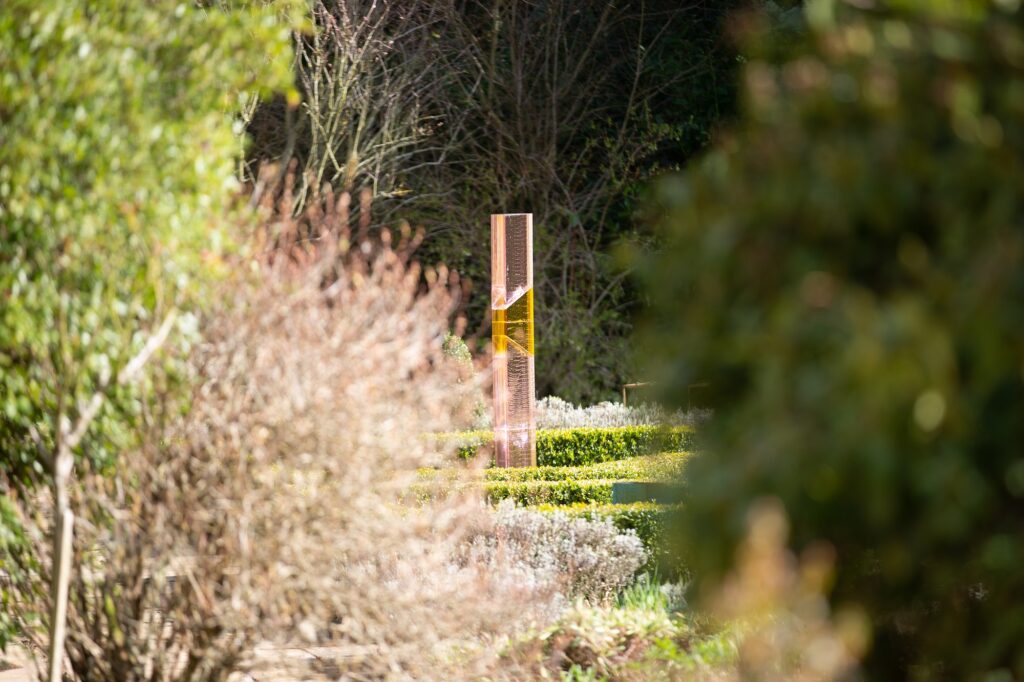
[515, 443]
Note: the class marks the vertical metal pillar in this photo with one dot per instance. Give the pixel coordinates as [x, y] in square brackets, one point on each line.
[515, 443]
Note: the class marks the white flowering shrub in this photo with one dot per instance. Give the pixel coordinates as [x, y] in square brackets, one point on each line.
[574, 557]
[555, 413]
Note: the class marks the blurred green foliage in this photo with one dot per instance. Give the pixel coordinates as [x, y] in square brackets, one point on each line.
[117, 144]
[847, 271]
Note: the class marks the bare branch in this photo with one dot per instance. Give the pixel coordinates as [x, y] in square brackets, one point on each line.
[125, 376]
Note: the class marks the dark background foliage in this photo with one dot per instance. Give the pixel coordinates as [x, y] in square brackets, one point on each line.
[453, 110]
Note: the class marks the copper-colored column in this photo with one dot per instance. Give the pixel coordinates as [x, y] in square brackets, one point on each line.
[512, 339]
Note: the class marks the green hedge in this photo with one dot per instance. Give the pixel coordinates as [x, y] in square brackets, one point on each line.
[649, 521]
[549, 492]
[579, 447]
[661, 467]
[526, 493]
[668, 466]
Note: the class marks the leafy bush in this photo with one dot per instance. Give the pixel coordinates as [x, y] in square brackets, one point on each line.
[552, 485]
[116, 167]
[586, 558]
[113, 177]
[848, 272]
[575, 447]
[578, 447]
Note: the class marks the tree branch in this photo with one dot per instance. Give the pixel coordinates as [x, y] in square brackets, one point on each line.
[125, 376]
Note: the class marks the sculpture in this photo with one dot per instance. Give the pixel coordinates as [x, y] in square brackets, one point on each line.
[512, 339]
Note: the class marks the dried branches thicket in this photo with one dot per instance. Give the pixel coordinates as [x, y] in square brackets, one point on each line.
[269, 514]
[449, 110]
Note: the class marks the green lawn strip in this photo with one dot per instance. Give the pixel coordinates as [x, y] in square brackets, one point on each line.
[578, 447]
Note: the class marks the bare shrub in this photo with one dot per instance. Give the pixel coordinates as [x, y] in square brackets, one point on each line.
[366, 70]
[268, 515]
[575, 557]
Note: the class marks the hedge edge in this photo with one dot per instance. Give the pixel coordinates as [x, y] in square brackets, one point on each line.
[579, 447]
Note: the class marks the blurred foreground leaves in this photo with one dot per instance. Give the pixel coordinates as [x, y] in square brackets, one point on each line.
[847, 271]
[116, 152]
[115, 165]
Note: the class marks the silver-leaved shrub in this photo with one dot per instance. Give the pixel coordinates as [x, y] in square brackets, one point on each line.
[574, 557]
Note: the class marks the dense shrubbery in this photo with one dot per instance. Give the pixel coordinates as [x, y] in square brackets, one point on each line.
[664, 466]
[848, 272]
[113, 180]
[582, 446]
[554, 485]
[575, 447]
[580, 491]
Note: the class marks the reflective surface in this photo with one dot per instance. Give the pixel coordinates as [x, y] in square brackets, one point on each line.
[512, 337]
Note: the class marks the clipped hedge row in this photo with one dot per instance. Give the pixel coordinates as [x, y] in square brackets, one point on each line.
[580, 447]
[524, 493]
[649, 521]
[567, 492]
[667, 466]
